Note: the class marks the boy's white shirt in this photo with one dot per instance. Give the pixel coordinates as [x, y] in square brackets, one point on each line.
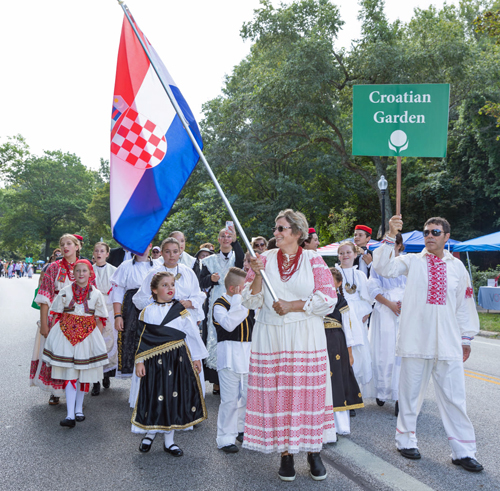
[233, 355]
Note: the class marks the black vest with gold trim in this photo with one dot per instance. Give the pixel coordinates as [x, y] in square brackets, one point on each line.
[242, 333]
[335, 318]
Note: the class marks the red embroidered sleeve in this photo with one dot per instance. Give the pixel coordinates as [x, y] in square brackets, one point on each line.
[251, 275]
[323, 279]
[47, 287]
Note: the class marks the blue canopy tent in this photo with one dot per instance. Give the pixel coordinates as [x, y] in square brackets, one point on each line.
[414, 242]
[489, 242]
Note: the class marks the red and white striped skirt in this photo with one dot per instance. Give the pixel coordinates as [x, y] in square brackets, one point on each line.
[289, 399]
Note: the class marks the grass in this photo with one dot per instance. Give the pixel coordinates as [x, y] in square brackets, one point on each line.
[489, 322]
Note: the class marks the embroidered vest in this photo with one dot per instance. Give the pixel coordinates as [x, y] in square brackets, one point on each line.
[242, 333]
[335, 318]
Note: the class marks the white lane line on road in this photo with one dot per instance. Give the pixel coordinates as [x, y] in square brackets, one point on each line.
[377, 468]
[497, 345]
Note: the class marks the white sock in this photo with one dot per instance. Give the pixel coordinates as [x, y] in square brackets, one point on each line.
[79, 401]
[70, 400]
[151, 435]
[169, 438]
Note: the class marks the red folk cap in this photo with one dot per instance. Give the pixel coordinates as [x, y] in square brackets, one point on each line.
[79, 237]
[311, 231]
[366, 229]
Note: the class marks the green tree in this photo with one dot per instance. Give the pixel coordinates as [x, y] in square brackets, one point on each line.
[280, 134]
[45, 196]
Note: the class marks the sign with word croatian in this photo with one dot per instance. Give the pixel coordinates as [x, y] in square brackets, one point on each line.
[400, 120]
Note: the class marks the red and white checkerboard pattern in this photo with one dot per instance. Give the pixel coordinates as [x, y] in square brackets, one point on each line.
[139, 141]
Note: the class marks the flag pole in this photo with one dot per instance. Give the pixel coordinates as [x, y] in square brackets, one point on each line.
[185, 123]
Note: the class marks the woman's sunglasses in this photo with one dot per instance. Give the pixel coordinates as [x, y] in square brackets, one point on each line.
[279, 228]
[436, 232]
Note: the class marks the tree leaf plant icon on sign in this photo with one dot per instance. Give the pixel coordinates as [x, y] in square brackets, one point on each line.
[398, 141]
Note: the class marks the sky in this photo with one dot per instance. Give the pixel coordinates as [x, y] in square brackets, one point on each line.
[58, 60]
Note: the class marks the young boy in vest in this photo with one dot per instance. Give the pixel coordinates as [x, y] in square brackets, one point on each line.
[234, 324]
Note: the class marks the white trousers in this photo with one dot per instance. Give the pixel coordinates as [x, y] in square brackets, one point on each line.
[233, 405]
[449, 384]
[342, 422]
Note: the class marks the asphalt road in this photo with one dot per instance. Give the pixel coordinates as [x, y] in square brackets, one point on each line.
[102, 454]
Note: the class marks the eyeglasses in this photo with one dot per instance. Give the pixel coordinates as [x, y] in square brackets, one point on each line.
[279, 228]
[435, 232]
[260, 245]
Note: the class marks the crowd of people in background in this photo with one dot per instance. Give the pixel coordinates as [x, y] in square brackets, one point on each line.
[290, 363]
[16, 269]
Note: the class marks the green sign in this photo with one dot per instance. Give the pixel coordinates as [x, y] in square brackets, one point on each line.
[400, 120]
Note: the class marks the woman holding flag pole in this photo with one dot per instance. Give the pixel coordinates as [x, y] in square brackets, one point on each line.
[144, 187]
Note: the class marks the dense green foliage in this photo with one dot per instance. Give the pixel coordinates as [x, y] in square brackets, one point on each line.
[46, 197]
[279, 135]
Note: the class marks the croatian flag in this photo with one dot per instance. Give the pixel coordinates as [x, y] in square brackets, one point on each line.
[152, 156]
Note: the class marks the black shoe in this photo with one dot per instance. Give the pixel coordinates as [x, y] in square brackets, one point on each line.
[469, 464]
[352, 413]
[68, 423]
[146, 444]
[230, 448]
[96, 389]
[410, 453]
[396, 409]
[54, 401]
[379, 402]
[317, 469]
[105, 382]
[80, 417]
[240, 437]
[176, 452]
[216, 392]
[287, 470]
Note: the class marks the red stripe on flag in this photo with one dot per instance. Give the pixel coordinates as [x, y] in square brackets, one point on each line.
[132, 65]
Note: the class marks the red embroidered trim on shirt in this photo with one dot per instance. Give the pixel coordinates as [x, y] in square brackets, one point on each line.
[468, 292]
[251, 275]
[323, 280]
[437, 281]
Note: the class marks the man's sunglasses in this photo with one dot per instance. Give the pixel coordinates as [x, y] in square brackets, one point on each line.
[279, 228]
[435, 232]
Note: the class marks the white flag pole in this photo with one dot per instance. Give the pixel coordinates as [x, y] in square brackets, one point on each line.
[185, 123]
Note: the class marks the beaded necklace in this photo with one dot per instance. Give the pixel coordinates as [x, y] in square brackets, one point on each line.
[288, 265]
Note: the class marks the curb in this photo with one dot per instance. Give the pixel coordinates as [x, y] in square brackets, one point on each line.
[488, 334]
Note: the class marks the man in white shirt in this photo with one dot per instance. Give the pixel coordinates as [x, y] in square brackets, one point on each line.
[438, 322]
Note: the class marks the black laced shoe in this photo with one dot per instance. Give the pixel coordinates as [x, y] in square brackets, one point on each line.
[318, 471]
[469, 464]
[287, 470]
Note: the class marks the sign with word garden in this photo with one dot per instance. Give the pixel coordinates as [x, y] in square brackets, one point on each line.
[400, 120]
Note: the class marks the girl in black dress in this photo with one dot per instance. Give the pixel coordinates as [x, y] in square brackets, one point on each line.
[346, 393]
